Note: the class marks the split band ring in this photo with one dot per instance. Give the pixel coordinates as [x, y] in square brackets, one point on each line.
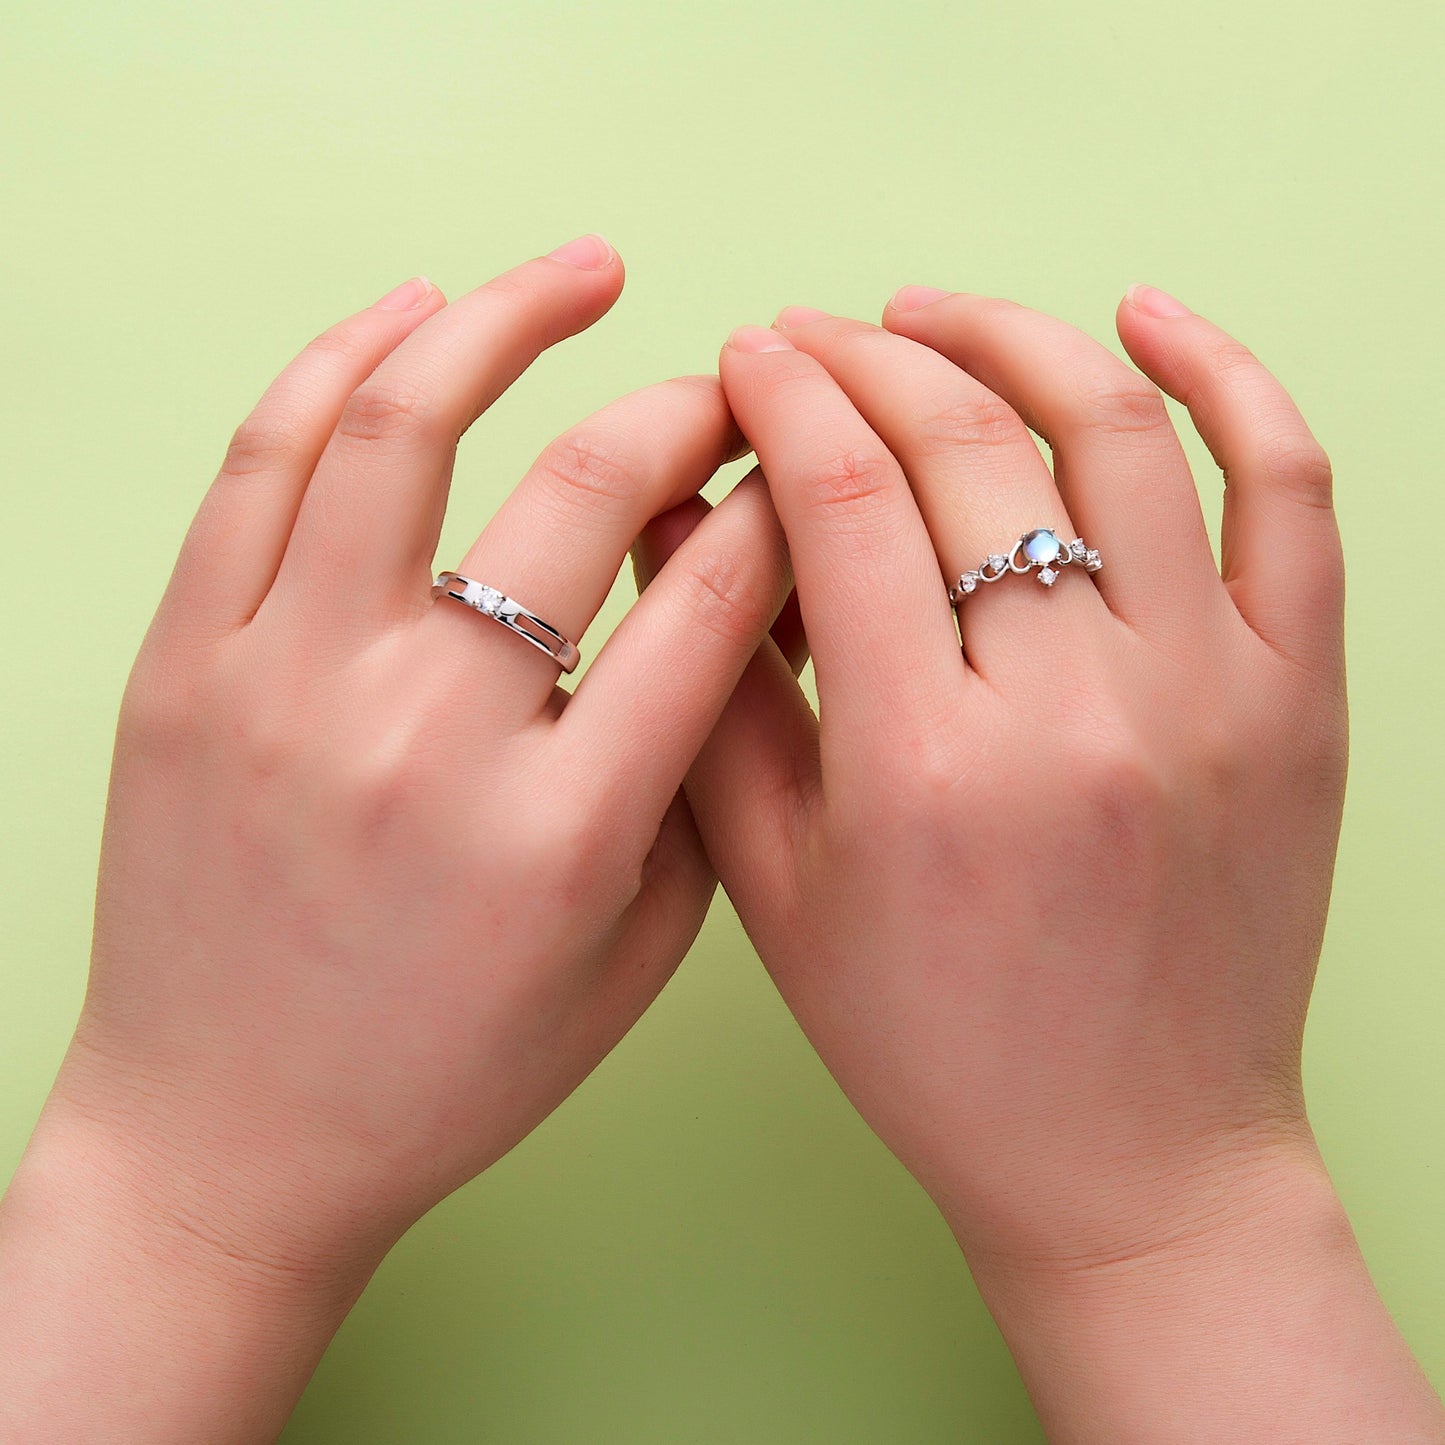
[511, 614]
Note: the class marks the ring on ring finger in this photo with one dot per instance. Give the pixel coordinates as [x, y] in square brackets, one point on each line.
[1040, 551]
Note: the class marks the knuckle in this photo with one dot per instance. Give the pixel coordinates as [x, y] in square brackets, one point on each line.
[1119, 400]
[591, 466]
[697, 384]
[161, 719]
[1124, 797]
[385, 412]
[1231, 360]
[849, 480]
[721, 595]
[267, 742]
[372, 790]
[576, 849]
[1220, 761]
[1297, 462]
[984, 421]
[342, 341]
[935, 776]
[997, 309]
[263, 442]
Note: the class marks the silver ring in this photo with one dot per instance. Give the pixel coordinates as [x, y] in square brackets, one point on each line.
[511, 614]
[1040, 551]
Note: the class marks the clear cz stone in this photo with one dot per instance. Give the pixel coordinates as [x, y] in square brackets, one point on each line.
[967, 583]
[996, 563]
[488, 600]
[1048, 576]
[1092, 561]
[1079, 549]
[1041, 545]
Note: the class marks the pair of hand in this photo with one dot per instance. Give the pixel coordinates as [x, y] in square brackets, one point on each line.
[376, 894]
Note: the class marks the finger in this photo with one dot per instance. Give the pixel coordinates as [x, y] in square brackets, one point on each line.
[1117, 461]
[873, 600]
[678, 882]
[979, 481]
[665, 533]
[759, 765]
[657, 688]
[1281, 543]
[559, 540]
[374, 508]
[235, 545]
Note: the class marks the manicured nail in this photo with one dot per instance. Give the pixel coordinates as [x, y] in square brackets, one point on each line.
[1154, 302]
[406, 297]
[587, 253]
[910, 298]
[799, 316]
[759, 338]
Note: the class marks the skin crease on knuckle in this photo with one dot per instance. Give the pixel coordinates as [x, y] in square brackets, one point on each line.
[723, 592]
[595, 468]
[1295, 462]
[951, 423]
[849, 483]
[265, 440]
[1118, 400]
[388, 413]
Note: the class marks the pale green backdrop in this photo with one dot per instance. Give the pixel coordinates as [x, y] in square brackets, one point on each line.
[705, 1245]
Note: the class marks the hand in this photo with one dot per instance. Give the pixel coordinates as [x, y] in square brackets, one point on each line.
[1050, 909]
[375, 894]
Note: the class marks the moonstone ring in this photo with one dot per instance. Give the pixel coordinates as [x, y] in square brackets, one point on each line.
[511, 614]
[1040, 552]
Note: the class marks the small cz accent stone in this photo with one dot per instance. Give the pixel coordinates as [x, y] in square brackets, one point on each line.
[489, 600]
[1080, 549]
[967, 583]
[1041, 545]
[1048, 576]
[997, 563]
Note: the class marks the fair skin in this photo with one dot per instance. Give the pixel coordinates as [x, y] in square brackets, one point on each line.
[375, 894]
[1049, 910]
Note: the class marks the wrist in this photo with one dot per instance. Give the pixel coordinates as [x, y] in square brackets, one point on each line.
[1128, 1206]
[210, 1162]
[1240, 1308]
[193, 1215]
[137, 1302]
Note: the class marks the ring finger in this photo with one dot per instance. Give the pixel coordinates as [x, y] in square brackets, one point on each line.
[1116, 455]
[558, 542]
[979, 480]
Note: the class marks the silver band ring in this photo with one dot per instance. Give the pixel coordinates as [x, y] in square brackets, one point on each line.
[511, 614]
[1041, 552]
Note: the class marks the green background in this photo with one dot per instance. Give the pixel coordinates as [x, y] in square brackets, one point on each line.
[704, 1244]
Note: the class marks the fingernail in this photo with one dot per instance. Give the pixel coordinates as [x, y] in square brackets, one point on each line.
[759, 338]
[799, 316]
[587, 253]
[406, 297]
[910, 298]
[1154, 302]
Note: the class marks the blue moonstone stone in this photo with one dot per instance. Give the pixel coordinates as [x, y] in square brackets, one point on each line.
[1041, 545]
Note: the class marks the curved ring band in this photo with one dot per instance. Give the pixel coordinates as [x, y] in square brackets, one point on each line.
[1040, 551]
[511, 614]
